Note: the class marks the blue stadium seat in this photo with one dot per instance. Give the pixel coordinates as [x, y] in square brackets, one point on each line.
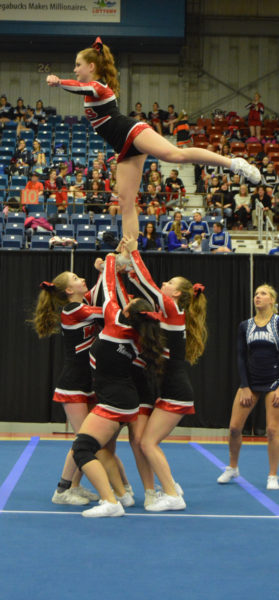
[27, 135]
[4, 181]
[14, 229]
[86, 242]
[12, 242]
[75, 207]
[18, 181]
[79, 137]
[143, 219]
[6, 151]
[86, 230]
[39, 242]
[65, 230]
[80, 219]
[102, 220]
[16, 217]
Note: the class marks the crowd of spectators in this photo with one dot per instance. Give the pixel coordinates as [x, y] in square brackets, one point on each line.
[52, 172]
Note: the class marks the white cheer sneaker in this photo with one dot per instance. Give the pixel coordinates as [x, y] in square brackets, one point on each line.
[105, 509]
[166, 502]
[126, 500]
[242, 167]
[272, 483]
[68, 497]
[229, 474]
[85, 493]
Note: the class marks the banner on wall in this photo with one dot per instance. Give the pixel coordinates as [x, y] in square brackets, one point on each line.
[83, 11]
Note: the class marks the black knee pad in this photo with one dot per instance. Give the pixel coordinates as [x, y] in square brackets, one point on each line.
[84, 449]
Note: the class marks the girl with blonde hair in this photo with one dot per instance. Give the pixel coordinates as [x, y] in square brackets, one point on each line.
[258, 365]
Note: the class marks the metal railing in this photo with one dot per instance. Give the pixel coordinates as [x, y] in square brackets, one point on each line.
[266, 228]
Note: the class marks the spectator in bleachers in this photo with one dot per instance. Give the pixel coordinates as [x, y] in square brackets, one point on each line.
[113, 202]
[255, 117]
[220, 240]
[6, 111]
[156, 117]
[242, 206]
[29, 121]
[19, 110]
[197, 226]
[152, 169]
[50, 185]
[138, 113]
[62, 183]
[170, 120]
[156, 179]
[235, 184]
[199, 179]
[213, 185]
[39, 112]
[176, 241]
[98, 166]
[102, 161]
[208, 170]
[182, 130]
[177, 218]
[35, 184]
[78, 186]
[275, 249]
[96, 198]
[223, 202]
[38, 157]
[225, 151]
[263, 166]
[270, 178]
[154, 202]
[111, 176]
[174, 188]
[262, 196]
[21, 160]
[196, 245]
[149, 239]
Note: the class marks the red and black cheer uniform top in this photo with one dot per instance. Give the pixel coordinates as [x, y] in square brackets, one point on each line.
[112, 355]
[176, 390]
[79, 324]
[101, 110]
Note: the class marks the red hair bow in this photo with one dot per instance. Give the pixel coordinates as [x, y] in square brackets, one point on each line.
[198, 288]
[151, 315]
[46, 285]
[98, 45]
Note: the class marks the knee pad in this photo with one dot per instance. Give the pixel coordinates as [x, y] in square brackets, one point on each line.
[84, 449]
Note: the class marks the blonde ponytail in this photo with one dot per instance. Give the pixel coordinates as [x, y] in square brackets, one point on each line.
[194, 305]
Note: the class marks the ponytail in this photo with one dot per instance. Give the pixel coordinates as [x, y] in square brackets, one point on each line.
[46, 317]
[193, 301]
[151, 338]
[104, 61]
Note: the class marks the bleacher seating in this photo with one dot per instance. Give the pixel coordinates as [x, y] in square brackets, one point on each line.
[12, 242]
[39, 242]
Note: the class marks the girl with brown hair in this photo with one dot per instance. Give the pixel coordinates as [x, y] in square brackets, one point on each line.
[97, 81]
[182, 315]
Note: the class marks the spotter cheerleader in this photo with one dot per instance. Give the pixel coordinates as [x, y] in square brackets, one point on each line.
[182, 310]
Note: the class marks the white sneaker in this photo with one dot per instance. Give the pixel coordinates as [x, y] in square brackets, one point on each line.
[178, 489]
[129, 489]
[272, 483]
[68, 498]
[242, 167]
[126, 500]
[166, 502]
[150, 496]
[105, 509]
[84, 493]
[228, 474]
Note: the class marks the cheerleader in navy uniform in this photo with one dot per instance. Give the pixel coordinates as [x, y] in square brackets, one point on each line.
[182, 312]
[126, 334]
[97, 82]
[258, 363]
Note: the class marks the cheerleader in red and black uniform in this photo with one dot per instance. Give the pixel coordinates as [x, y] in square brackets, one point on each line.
[97, 81]
[126, 333]
[255, 117]
[79, 323]
[182, 312]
